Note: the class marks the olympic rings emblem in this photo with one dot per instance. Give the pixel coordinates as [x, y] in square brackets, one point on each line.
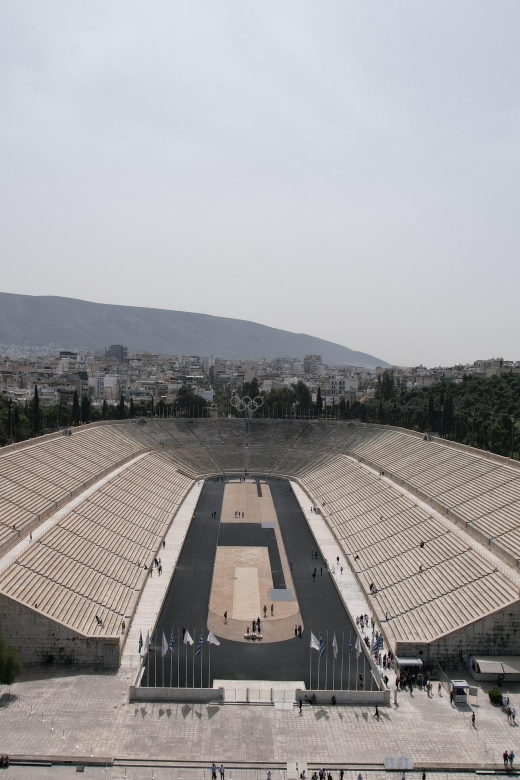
[251, 404]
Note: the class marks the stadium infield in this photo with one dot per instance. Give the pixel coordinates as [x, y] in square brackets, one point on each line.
[188, 598]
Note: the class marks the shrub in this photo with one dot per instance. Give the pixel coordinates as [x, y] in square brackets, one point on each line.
[10, 666]
[495, 696]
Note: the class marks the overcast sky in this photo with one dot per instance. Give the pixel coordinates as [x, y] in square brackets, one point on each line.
[344, 169]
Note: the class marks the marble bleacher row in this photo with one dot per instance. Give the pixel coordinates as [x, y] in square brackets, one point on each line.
[92, 561]
[483, 494]
[35, 478]
[423, 592]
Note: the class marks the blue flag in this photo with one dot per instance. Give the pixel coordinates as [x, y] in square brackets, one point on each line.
[350, 648]
[171, 643]
[199, 646]
[322, 646]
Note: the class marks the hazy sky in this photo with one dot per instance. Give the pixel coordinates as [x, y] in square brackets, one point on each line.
[345, 169]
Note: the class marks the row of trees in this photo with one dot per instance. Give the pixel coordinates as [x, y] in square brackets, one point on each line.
[481, 411]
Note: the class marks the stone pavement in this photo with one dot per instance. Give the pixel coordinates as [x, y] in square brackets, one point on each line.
[71, 713]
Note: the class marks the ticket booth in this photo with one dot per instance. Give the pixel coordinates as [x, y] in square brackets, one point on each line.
[460, 689]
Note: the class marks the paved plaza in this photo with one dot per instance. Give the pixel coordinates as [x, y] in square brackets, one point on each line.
[74, 714]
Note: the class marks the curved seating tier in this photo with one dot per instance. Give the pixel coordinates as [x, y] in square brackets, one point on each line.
[91, 563]
[40, 476]
[422, 578]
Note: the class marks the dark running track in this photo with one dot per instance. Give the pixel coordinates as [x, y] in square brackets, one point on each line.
[187, 601]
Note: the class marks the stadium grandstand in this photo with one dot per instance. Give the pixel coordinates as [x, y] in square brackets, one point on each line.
[430, 529]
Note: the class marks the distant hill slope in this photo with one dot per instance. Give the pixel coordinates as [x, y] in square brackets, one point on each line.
[76, 324]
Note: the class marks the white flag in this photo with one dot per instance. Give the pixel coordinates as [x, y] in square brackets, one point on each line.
[212, 639]
[335, 646]
[146, 643]
[164, 649]
[315, 645]
[358, 647]
[187, 639]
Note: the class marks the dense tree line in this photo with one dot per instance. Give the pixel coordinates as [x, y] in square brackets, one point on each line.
[481, 411]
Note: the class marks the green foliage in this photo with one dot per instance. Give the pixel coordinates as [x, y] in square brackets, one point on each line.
[85, 409]
[121, 409]
[252, 389]
[188, 401]
[303, 396]
[476, 411]
[36, 412]
[319, 402]
[279, 401]
[10, 666]
[495, 696]
[76, 411]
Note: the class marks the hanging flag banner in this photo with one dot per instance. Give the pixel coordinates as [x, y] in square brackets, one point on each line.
[187, 639]
[322, 646]
[199, 646]
[212, 639]
[315, 645]
[335, 646]
[164, 648]
[358, 647]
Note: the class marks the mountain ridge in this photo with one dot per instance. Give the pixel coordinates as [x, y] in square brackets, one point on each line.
[38, 320]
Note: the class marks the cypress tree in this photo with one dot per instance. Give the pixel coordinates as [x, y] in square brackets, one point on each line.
[104, 410]
[10, 666]
[132, 410]
[319, 402]
[431, 413]
[122, 409]
[36, 412]
[76, 412]
[16, 424]
[85, 409]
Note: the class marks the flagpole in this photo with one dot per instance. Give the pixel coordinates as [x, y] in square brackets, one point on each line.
[162, 653]
[193, 660]
[310, 668]
[209, 665]
[334, 668]
[201, 648]
[357, 667]
[178, 658]
[319, 659]
[349, 654]
[171, 661]
[327, 662]
[155, 658]
[342, 643]
[186, 662]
